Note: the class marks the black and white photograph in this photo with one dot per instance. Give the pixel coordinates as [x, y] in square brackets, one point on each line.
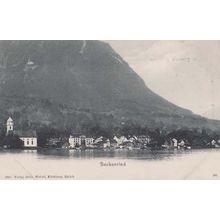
[90, 109]
[109, 109]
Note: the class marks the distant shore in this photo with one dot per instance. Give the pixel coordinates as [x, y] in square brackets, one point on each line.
[99, 149]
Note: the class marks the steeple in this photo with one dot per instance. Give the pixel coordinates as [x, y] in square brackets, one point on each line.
[10, 125]
[30, 62]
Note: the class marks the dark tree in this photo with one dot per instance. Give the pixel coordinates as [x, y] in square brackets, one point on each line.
[13, 141]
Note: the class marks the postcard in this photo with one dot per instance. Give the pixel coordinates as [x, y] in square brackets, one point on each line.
[85, 109]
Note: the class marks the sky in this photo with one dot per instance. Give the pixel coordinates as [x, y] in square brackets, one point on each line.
[187, 73]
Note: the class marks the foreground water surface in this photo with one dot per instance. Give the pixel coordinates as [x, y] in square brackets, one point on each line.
[100, 164]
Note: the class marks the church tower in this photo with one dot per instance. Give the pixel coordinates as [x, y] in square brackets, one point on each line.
[10, 125]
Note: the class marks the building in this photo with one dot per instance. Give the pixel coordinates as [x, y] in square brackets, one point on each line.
[9, 125]
[28, 137]
[79, 140]
[128, 144]
[99, 139]
[120, 140]
[74, 141]
[181, 143]
[89, 141]
[174, 143]
[65, 145]
[57, 142]
[114, 143]
[106, 143]
[143, 139]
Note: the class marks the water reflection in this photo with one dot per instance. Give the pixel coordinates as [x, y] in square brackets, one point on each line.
[120, 154]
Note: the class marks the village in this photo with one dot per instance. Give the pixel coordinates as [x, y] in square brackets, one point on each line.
[29, 140]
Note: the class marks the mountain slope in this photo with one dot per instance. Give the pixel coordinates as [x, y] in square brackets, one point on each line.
[77, 84]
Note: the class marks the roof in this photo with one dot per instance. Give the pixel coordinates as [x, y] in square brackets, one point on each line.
[9, 119]
[80, 136]
[75, 135]
[28, 133]
[101, 142]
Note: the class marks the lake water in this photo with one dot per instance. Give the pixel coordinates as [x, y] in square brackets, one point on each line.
[97, 164]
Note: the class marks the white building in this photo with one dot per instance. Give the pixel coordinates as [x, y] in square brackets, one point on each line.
[182, 143]
[89, 141]
[80, 140]
[99, 139]
[107, 144]
[174, 142]
[74, 141]
[120, 140]
[29, 138]
[9, 125]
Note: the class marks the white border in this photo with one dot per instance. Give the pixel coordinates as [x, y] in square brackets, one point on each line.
[115, 19]
[109, 200]
[105, 19]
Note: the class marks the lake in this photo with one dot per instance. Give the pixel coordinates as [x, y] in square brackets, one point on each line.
[100, 164]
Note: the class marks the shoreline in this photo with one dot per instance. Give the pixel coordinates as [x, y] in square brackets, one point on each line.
[41, 149]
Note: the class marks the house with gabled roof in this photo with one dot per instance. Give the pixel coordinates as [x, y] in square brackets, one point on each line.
[29, 137]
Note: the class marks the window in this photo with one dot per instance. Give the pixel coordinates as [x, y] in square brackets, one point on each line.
[32, 142]
[27, 141]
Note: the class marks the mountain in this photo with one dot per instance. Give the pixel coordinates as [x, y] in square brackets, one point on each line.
[78, 85]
